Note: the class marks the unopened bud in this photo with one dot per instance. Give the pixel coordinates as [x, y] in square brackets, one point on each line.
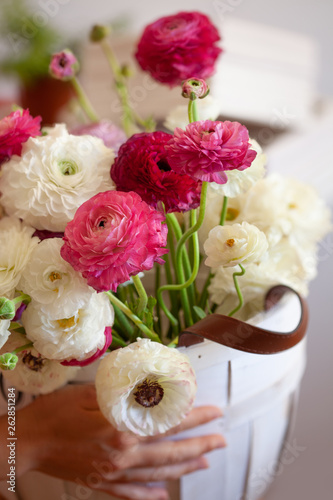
[126, 71]
[99, 32]
[7, 308]
[8, 361]
[195, 88]
[64, 65]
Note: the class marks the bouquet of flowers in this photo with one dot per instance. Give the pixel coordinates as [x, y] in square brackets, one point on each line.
[90, 215]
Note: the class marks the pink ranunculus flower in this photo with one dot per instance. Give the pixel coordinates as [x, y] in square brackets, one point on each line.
[98, 354]
[113, 236]
[178, 47]
[63, 65]
[112, 136]
[206, 149]
[15, 129]
[141, 166]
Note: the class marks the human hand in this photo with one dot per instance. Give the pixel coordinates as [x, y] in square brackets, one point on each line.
[65, 435]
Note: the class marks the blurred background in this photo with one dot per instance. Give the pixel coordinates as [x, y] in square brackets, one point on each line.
[276, 76]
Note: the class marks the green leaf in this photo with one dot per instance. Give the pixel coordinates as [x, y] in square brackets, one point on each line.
[199, 312]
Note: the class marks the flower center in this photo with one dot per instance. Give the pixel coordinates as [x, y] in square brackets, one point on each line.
[230, 242]
[66, 322]
[68, 167]
[163, 165]
[62, 62]
[292, 206]
[32, 362]
[149, 393]
[232, 213]
[54, 276]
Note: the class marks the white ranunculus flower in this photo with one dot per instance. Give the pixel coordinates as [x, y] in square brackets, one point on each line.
[77, 337]
[33, 373]
[283, 207]
[208, 109]
[232, 245]
[4, 332]
[16, 245]
[281, 266]
[53, 283]
[146, 387]
[55, 174]
[241, 181]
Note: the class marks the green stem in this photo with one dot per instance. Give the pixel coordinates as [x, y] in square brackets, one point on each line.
[83, 100]
[121, 88]
[124, 324]
[204, 293]
[137, 321]
[192, 110]
[143, 298]
[174, 343]
[22, 298]
[239, 293]
[224, 211]
[116, 339]
[22, 348]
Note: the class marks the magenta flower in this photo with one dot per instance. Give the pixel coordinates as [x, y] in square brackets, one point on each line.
[142, 166]
[178, 47]
[113, 236]
[99, 353]
[206, 149]
[15, 129]
[64, 65]
[112, 136]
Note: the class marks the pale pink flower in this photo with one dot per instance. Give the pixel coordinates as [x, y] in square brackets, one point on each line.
[206, 149]
[113, 236]
[112, 136]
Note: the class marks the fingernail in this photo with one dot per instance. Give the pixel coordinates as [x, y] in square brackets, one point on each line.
[221, 442]
[203, 463]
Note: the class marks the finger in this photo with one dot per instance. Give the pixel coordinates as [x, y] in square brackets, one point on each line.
[135, 492]
[173, 452]
[86, 395]
[198, 416]
[156, 474]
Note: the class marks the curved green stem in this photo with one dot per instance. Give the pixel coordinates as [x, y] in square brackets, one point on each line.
[239, 293]
[137, 321]
[22, 298]
[83, 100]
[143, 298]
[22, 348]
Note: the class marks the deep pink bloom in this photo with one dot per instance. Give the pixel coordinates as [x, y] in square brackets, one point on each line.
[206, 149]
[112, 136]
[63, 65]
[15, 129]
[142, 166]
[113, 236]
[98, 353]
[178, 47]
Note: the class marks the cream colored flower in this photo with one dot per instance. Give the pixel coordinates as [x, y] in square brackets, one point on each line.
[52, 282]
[76, 337]
[281, 266]
[33, 373]
[16, 245]
[208, 109]
[281, 207]
[241, 181]
[55, 174]
[4, 332]
[146, 387]
[237, 244]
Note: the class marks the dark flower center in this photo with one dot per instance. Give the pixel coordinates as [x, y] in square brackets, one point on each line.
[149, 393]
[33, 363]
[62, 62]
[163, 165]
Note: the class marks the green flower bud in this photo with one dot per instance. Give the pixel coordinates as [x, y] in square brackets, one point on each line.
[8, 361]
[126, 71]
[7, 308]
[99, 32]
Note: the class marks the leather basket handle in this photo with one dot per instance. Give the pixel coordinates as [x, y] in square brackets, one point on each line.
[237, 334]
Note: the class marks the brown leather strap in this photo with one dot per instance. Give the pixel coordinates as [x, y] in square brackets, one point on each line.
[234, 333]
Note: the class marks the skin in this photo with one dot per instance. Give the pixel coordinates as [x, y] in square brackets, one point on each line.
[65, 435]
